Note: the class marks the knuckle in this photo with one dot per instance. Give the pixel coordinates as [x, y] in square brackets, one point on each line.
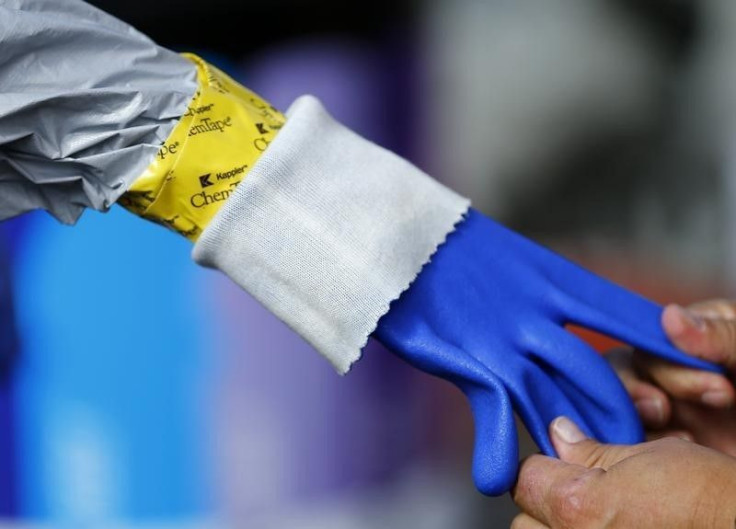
[677, 381]
[715, 308]
[721, 340]
[725, 308]
[682, 382]
[674, 447]
[729, 343]
[598, 456]
[673, 443]
[572, 501]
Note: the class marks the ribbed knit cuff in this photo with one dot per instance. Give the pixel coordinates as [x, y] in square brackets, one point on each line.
[328, 229]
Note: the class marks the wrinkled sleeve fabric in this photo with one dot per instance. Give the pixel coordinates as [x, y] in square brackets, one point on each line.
[328, 229]
[85, 103]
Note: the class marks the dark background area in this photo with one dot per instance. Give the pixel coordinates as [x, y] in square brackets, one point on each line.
[235, 27]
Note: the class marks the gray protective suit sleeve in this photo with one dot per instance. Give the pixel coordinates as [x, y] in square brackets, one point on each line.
[85, 103]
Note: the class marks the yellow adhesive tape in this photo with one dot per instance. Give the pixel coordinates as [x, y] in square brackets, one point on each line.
[210, 151]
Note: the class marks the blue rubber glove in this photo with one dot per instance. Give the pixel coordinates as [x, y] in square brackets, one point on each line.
[488, 314]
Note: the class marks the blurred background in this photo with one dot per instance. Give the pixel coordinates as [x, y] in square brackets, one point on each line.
[604, 128]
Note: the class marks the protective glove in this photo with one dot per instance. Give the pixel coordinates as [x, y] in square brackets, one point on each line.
[488, 313]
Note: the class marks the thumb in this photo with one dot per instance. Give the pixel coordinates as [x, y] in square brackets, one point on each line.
[699, 331]
[574, 447]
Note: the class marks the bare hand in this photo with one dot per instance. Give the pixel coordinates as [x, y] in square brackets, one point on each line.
[668, 483]
[673, 400]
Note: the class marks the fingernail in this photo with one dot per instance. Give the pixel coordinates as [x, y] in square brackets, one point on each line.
[694, 320]
[718, 399]
[651, 410]
[567, 431]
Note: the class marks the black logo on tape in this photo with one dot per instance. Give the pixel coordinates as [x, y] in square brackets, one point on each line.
[204, 180]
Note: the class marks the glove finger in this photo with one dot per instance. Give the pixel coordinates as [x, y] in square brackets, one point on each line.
[496, 450]
[538, 401]
[591, 384]
[608, 308]
[423, 349]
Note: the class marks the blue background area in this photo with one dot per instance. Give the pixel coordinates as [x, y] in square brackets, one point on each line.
[112, 381]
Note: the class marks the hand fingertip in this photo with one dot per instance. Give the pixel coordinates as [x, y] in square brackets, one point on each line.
[677, 320]
[672, 321]
[566, 431]
[651, 411]
[718, 398]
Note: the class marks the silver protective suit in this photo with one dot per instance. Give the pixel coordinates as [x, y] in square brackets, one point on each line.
[85, 102]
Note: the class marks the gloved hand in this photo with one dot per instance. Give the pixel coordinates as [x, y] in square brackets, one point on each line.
[488, 313]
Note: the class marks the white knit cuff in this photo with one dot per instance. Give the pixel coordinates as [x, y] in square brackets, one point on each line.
[327, 230]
